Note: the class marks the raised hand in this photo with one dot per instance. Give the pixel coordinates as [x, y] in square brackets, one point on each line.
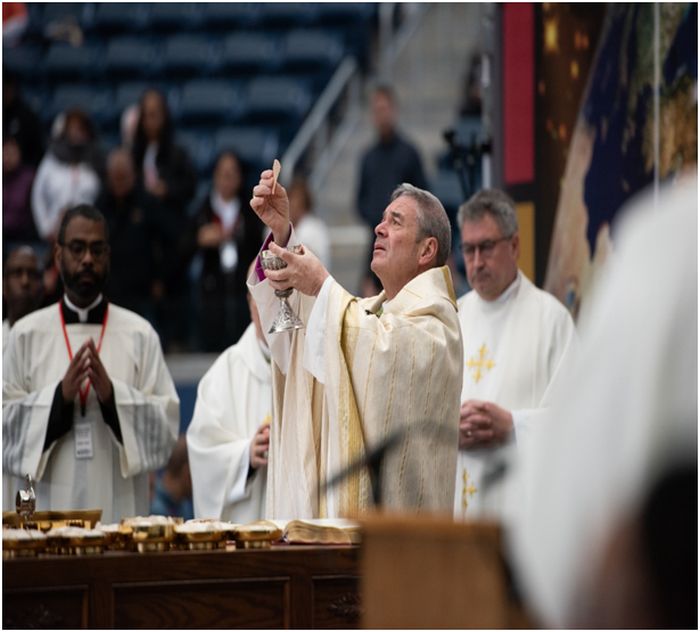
[272, 209]
[75, 373]
[304, 271]
[97, 374]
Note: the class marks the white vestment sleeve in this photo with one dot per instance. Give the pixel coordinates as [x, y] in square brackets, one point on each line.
[240, 488]
[149, 413]
[25, 418]
[314, 354]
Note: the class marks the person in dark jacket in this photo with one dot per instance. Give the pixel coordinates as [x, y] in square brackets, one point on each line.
[166, 174]
[228, 235]
[390, 161]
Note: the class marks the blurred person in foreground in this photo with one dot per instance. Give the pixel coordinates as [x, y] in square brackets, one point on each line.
[228, 236]
[363, 370]
[607, 532]
[517, 340]
[89, 407]
[17, 181]
[228, 438]
[22, 289]
[389, 161]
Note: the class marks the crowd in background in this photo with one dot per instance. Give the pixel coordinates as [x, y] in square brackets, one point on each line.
[177, 259]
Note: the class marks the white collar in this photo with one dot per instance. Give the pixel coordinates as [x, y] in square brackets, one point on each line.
[82, 312]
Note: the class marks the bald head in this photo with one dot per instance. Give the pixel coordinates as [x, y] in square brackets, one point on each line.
[22, 285]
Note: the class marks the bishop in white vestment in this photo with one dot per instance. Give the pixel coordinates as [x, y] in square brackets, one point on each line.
[234, 400]
[92, 449]
[363, 369]
[517, 339]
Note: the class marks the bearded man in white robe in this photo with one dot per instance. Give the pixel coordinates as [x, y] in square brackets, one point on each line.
[228, 438]
[363, 371]
[517, 340]
[89, 407]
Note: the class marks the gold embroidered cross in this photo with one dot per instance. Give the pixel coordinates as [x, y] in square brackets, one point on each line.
[468, 489]
[480, 363]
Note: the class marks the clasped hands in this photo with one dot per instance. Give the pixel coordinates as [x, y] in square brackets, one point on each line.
[86, 364]
[304, 271]
[483, 424]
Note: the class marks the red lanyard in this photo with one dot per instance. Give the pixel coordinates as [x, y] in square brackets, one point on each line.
[83, 392]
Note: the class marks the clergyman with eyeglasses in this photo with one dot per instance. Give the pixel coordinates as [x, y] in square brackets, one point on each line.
[517, 338]
[89, 407]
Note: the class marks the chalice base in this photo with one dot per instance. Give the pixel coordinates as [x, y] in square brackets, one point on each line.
[286, 319]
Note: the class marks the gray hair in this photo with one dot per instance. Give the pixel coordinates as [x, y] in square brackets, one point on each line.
[491, 202]
[432, 219]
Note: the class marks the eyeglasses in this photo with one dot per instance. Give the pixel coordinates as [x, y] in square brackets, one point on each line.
[77, 249]
[484, 247]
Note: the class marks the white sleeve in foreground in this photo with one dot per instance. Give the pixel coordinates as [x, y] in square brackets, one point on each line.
[314, 355]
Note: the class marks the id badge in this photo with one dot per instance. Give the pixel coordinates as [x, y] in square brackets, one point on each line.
[83, 440]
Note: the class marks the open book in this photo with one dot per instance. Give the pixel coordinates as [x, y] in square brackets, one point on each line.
[319, 531]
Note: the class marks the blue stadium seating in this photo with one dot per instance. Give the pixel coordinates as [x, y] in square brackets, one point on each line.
[128, 93]
[97, 103]
[200, 147]
[189, 56]
[313, 54]
[256, 147]
[209, 102]
[25, 61]
[224, 16]
[63, 61]
[130, 57]
[119, 18]
[174, 17]
[249, 53]
[287, 14]
[277, 101]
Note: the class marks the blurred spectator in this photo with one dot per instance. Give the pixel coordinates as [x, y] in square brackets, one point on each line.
[172, 495]
[390, 161]
[19, 121]
[310, 229]
[228, 236]
[22, 289]
[14, 22]
[17, 179]
[127, 125]
[166, 174]
[470, 103]
[68, 175]
[133, 235]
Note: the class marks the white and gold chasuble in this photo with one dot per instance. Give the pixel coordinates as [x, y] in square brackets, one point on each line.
[514, 347]
[115, 478]
[233, 399]
[379, 373]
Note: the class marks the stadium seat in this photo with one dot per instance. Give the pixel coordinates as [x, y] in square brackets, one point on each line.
[128, 93]
[249, 53]
[287, 14]
[200, 147]
[63, 61]
[174, 17]
[24, 61]
[311, 53]
[97, 103]
[277, 101]
[119, 18]
[131, 57]
[225, 16]
[256, 147]
[189, 56]
[210, 102]
[53, 13]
